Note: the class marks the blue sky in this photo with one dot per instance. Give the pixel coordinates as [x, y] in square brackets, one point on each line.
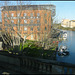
[64, 9]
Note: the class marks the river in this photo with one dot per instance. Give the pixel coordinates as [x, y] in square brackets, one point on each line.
[70, 42]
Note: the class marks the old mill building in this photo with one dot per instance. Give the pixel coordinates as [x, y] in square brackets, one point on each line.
[33, 22]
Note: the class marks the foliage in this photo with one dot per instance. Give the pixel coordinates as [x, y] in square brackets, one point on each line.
[21, 47]
[10, 49]
[30, 48]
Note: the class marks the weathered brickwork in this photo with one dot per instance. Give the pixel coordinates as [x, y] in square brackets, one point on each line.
[33, 24]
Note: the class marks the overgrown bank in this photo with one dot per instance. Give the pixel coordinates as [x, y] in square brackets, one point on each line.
[33, 49]
[71, 29]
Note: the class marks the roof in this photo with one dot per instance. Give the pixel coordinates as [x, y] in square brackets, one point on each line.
[27, 7]
[72, 20]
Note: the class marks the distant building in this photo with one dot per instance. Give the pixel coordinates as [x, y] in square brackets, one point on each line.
[65, 23]
[72, 23]
[31, 21]
[68, 23]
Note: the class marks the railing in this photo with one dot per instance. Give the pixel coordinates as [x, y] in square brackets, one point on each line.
[46, 66]
[25, 64]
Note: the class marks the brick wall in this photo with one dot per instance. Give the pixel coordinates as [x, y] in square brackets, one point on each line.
[42, 26]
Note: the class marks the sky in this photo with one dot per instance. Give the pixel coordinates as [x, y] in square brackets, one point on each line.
[64, 9]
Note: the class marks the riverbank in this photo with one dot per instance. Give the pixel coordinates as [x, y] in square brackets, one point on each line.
[32, 49]
[70, 29]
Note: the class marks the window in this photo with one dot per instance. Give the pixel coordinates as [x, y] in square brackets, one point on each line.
[37, 17]
[31, 17]
[38, 21]
[23, 17]
[25, 21]
[34, 17]
[25, 14]
[38, 29]
[31, 29]
[25, 28]
[21, 24]
[14, 18]
[5, 24]
[12, 15]
[45, 14]
[5, 20]
[48, 26]
[53, 10]
[31, 21]
[18, 21]
[12, 21]
[45, 21]
[31, 14]
[27, 17]
[6, 29]
[45, 28]
[18, 14]
[38, 14]
[5, 15]
[0, 28]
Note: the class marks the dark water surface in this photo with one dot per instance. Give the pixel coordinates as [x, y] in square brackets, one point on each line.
[70, 42]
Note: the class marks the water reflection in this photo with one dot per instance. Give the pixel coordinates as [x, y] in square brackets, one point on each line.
[70, 43]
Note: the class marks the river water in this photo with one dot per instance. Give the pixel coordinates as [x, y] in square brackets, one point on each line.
[70, 43]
